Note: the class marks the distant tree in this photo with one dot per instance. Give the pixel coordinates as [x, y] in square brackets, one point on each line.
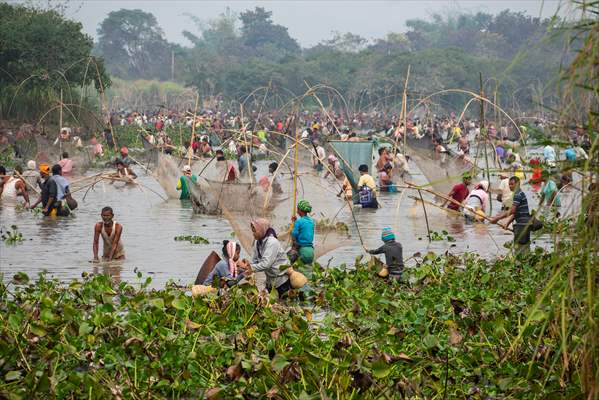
[517, 29]
[258, 30]
[219, 35]
[41, 53]
[394, 43]
[134, 46]
[217, 46]
[445, 51]
[347, 42]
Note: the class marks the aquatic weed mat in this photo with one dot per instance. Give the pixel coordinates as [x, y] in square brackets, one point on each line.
[448, 329]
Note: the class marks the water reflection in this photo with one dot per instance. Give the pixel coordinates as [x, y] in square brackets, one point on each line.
[113, 269]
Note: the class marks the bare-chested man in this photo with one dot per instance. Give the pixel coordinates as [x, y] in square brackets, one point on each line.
[11, 188]
[111, 236]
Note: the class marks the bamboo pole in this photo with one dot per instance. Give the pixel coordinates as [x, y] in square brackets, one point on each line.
[416, 187]
[295, 165]
[430, 203]
[85, 178]
[60, 124]
[139, 163]
[403, 116]
[104, 105]
[248, 148]
[486, 136]
[428, 229]
[193, 127]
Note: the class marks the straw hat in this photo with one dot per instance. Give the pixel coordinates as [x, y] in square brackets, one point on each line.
[201, 290]
[298, 280]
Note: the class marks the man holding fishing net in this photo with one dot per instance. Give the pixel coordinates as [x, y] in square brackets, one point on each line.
[459, 192]
[50, 196]
[124, 157]
[11, 187]
[519, 213]
[124, 172]
[393, 252]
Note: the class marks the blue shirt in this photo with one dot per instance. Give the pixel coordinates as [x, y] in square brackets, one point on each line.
[62, 186]
[549, 190]
[221, 270]
[549, 153]
[303, 231]
[522, 215]
[570, 154]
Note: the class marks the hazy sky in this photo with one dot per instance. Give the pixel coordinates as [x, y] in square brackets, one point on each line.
[308, 21]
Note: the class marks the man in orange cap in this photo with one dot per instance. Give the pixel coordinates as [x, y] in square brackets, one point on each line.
[49, 192]
[124, 157]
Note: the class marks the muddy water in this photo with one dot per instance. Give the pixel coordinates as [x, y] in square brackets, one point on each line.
[63, 247]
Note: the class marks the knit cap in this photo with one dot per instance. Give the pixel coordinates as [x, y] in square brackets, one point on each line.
[387, 235]
[304, 205]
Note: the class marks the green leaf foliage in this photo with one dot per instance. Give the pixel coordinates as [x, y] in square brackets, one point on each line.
[356, 336]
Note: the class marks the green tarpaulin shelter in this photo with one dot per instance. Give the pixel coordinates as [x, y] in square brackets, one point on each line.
[351, 155]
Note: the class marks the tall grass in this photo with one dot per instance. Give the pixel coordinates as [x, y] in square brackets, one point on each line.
[569, 304]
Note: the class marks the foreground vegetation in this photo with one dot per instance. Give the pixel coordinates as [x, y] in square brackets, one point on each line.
[456, 327]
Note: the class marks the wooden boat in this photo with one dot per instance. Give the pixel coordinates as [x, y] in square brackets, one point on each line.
[207, 267]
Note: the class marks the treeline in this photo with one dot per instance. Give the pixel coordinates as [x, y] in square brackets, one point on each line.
[519, 57]
[44, 57]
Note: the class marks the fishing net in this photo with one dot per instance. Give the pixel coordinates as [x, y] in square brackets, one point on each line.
[50, 153]
[241, 201]
[166, 171]
[441, 170]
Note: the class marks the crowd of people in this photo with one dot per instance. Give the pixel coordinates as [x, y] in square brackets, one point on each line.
[240, 138]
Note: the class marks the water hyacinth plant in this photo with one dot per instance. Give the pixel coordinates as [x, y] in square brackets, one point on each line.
[11, 236]
[454, 327]
[195, 239]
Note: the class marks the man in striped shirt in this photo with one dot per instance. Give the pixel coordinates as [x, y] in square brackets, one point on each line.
[519, 213]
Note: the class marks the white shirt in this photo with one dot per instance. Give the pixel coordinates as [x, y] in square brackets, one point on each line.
[319, 155]
[232, 147]
[580, 153]
[506, 193]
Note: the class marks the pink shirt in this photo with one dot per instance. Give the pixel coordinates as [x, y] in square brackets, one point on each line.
[67, 166]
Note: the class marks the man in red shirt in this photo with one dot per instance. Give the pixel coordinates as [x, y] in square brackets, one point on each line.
[459, 192]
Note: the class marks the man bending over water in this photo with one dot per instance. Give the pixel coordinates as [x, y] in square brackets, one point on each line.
[111, 236]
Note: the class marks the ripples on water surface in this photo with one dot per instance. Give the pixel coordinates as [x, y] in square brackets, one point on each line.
[63, 247]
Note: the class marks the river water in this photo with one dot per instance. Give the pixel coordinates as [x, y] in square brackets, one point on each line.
[63, 246]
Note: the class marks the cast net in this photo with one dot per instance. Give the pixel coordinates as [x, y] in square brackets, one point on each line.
[260, 196]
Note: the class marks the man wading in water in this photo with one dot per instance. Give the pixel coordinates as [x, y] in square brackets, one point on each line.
[519, 213]
[111, 236]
